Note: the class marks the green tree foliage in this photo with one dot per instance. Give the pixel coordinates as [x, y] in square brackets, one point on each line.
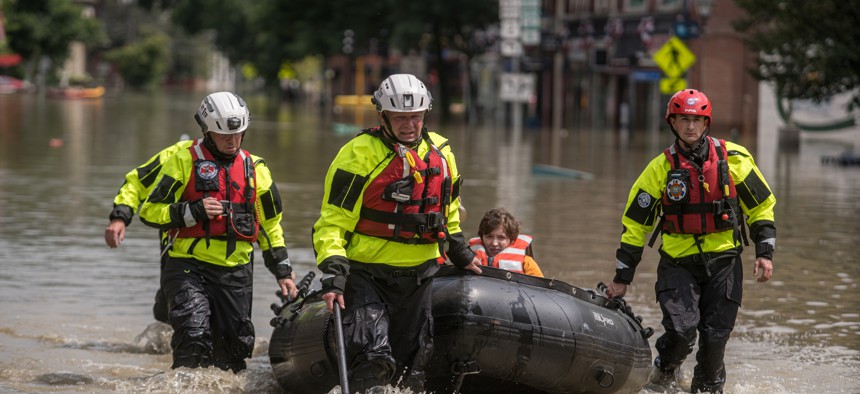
[142, 63]
[126, 23]
[442, 27]
[267, 33]
[44, 28]
[808, 49]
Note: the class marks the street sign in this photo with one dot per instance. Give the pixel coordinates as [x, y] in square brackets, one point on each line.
[511, 48]
[674, 58]
[672, 85]
[530, 22]
[531, 37]
[510, 29]
[642, 75]
[516, 87]
[509, 9]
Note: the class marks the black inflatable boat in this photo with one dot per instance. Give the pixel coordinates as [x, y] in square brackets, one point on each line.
[497, 332]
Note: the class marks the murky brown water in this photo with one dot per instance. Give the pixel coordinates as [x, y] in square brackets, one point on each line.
[72, 309]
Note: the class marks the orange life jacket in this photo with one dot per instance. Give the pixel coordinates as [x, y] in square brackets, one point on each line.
[510, 258]
[209, 179]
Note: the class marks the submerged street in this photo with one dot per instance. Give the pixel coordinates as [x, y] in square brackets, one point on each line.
[73, 308]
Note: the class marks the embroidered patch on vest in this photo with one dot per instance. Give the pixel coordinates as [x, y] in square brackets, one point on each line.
[207, 170]
[644, 200]
[676, 190]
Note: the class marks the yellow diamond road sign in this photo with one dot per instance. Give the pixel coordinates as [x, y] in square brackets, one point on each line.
[674, 58]
[672, 85]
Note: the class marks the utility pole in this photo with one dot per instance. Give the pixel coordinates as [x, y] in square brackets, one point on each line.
[557, 85]
[520, 26]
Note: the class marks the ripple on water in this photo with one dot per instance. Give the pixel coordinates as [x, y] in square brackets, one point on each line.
[62, 379]
[801, 321]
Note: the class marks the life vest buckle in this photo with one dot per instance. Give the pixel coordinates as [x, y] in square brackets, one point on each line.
[720, 209]
[435, 220]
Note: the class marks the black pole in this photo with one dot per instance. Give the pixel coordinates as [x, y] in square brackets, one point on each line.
[341, 350]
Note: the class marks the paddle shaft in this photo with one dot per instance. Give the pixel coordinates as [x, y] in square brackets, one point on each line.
[341, 350]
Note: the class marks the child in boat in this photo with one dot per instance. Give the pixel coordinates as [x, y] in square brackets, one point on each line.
[500, 245]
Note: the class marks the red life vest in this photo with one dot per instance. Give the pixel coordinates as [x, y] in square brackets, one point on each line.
[408, 201]
[699, 200]
[211, 180]
[511, 258]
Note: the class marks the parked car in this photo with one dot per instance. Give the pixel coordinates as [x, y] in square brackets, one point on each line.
[13, 85]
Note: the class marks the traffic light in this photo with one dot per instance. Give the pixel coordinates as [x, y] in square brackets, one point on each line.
[348, 41]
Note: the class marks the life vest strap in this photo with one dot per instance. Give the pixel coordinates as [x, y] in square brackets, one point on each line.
[408, 241]
[422, 222]
[716, 207]
[402, 198]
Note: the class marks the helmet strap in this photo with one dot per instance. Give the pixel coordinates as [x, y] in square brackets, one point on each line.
[213, 148]
[386, 127]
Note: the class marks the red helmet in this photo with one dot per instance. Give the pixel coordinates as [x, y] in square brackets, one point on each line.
[689, 102]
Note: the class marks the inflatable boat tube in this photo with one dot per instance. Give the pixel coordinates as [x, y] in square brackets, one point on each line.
[496, 332]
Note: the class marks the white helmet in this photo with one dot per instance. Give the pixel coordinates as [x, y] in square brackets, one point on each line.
[402, 93]
[223, 113]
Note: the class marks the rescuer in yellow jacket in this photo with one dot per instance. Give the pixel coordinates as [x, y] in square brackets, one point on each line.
[391, 201]
[133, 192]
[215, 200]
[696, 194]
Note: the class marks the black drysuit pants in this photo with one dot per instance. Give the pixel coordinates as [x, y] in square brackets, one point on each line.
[388, 323]
[698, 294]
[210, 312]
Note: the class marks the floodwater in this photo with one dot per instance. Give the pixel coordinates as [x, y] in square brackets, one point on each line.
[76, 315]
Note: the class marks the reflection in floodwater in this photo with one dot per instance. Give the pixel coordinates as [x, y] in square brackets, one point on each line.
[77, 315]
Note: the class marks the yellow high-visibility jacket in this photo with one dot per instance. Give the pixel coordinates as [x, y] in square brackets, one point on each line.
[164, 209]
[139, 182]
[362, 159]
[642, 211]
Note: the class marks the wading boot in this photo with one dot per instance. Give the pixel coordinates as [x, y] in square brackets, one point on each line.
[374, 390]
[415, 381]
[662, 380]
[370, 378]
[700, 387]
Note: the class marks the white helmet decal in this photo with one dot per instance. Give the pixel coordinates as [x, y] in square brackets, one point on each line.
[402, 93]
[223, 113]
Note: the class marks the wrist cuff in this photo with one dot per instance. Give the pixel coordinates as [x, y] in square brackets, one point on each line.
[764, 248]
[123, 212]
[624, 275]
